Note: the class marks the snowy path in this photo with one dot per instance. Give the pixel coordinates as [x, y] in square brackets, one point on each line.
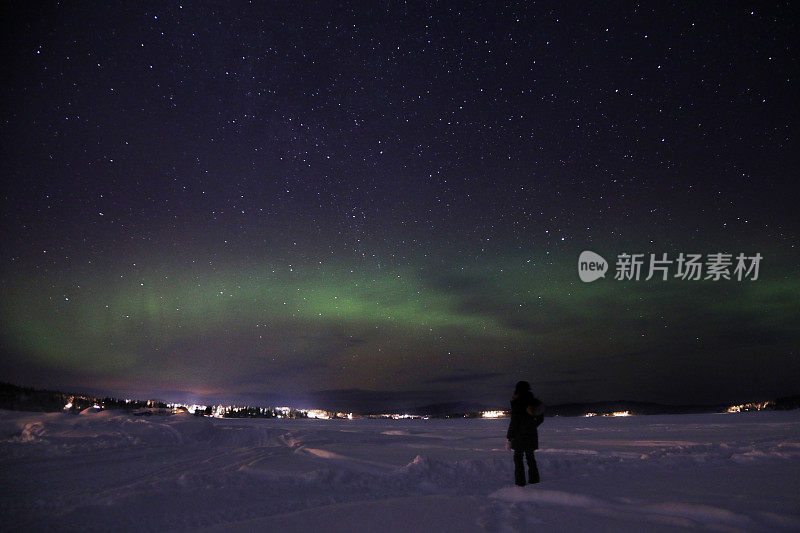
[108, 471]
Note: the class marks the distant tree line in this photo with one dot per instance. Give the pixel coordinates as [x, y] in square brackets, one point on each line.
[248, 412]
[786, 403]
[257, 412]
[15, 398]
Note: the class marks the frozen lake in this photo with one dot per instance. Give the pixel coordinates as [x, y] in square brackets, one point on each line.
[109, 471]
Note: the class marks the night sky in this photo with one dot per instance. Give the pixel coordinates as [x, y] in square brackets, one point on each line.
[264, 202]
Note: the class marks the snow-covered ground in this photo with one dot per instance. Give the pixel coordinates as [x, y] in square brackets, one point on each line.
[107, 471]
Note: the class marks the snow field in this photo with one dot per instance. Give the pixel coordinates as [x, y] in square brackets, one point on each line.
[104, 471]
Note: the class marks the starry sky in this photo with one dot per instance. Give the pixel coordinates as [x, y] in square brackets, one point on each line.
[386, 201]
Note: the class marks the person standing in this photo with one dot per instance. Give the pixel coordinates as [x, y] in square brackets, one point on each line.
[527, 413]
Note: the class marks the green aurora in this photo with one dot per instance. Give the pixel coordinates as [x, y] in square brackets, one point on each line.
[282, 327]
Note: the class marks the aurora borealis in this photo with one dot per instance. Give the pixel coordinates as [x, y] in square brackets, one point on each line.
[254, 203]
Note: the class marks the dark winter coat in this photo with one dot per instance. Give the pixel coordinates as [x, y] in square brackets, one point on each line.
[522, 430]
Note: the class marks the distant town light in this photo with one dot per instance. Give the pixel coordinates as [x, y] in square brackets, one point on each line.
[493, 414]
[754, 406]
